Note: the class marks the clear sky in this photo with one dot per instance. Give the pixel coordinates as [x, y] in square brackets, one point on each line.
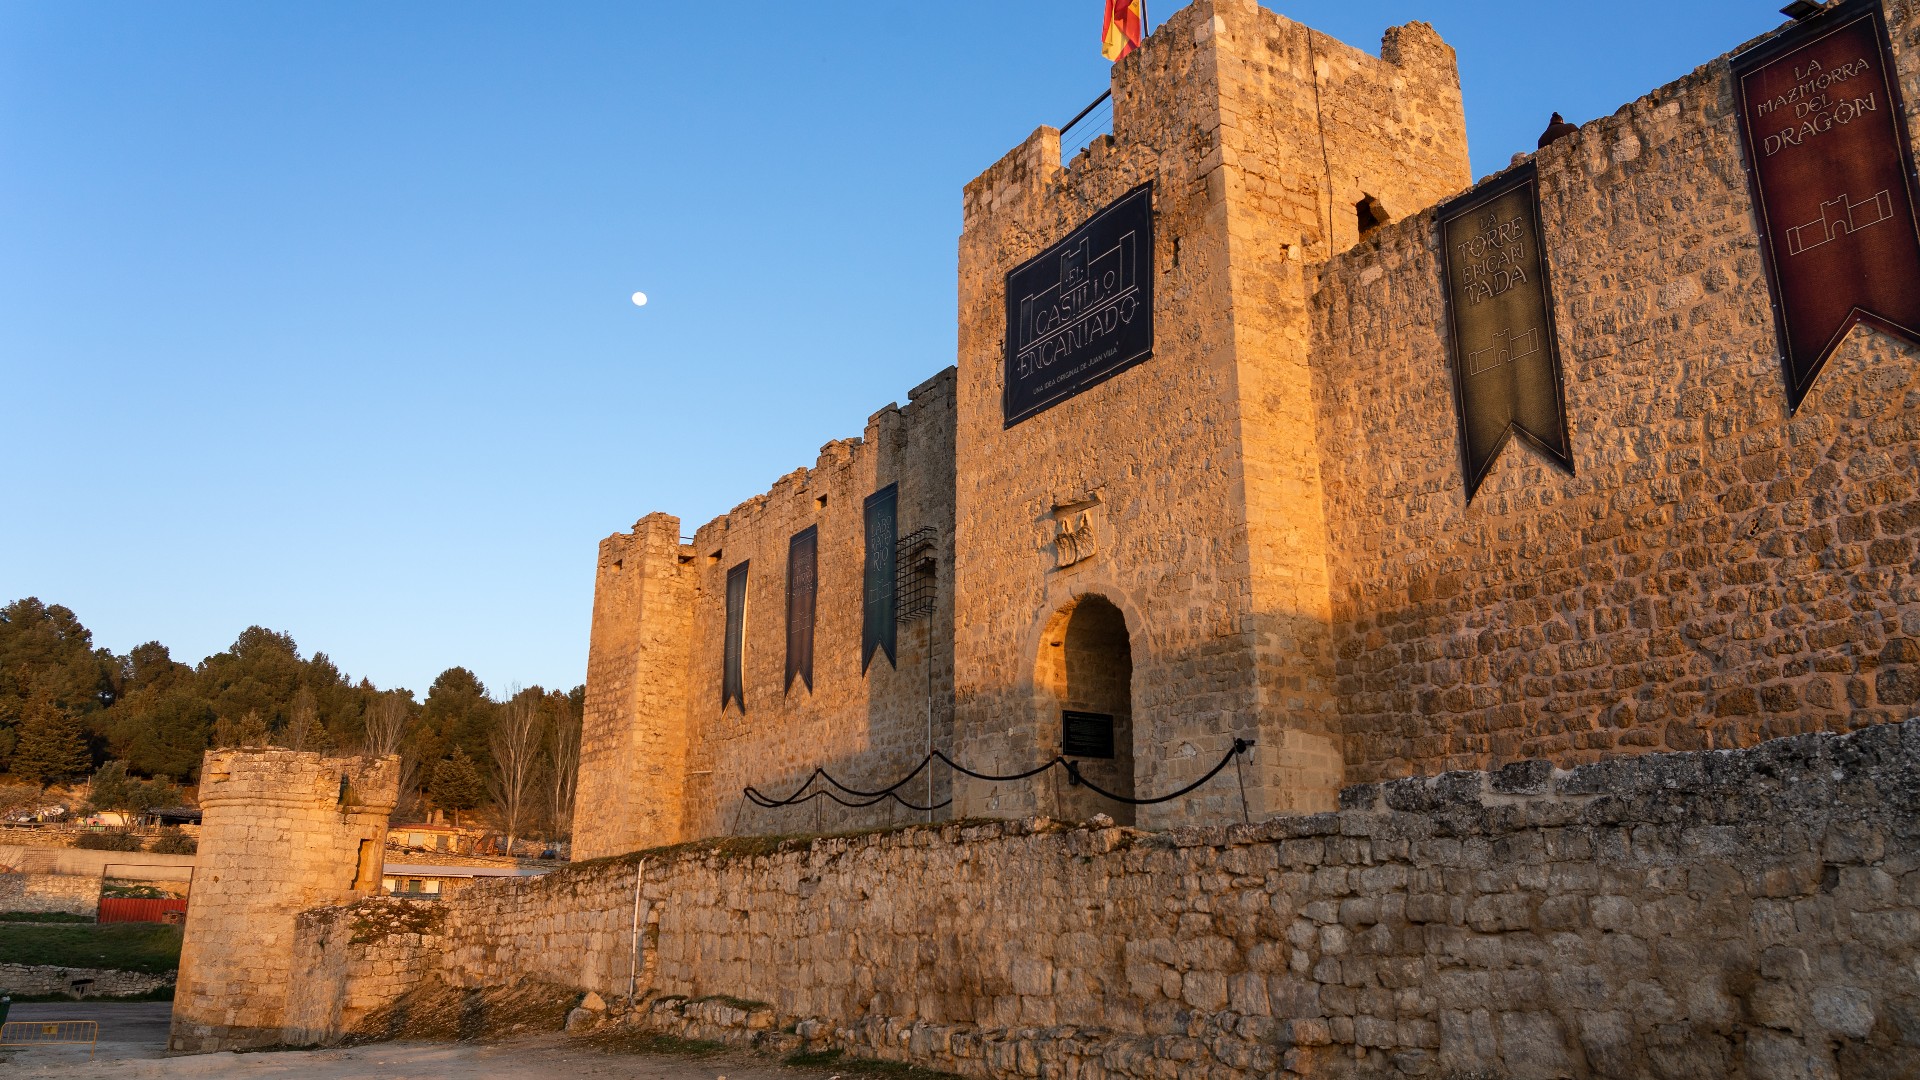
[316, 315]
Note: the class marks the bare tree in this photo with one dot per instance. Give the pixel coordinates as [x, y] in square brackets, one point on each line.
[516, 742]
[303, 727]
[387, 723]
[563, 772]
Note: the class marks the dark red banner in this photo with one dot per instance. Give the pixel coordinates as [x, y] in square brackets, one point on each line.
[1833, 184]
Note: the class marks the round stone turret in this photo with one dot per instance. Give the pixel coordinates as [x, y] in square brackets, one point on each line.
[283, 831]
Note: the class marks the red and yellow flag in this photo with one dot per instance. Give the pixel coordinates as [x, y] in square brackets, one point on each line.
[1125, 28]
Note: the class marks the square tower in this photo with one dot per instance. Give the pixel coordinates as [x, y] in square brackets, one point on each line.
[1149, 554]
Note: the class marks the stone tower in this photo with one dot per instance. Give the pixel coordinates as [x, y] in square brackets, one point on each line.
[284, 831]
[1188, 487]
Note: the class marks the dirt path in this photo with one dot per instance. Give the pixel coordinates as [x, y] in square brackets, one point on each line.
[133, 1046]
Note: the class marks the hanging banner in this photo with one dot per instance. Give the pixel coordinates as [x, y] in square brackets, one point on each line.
[803, 552]
[877, 628]
[1506, 355]
[732, 683]
[1081, 311]
[1833, 184]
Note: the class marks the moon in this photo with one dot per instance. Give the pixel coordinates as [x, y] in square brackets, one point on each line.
[639, 299]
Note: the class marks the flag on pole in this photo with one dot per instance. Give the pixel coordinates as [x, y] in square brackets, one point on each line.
[1125, 28]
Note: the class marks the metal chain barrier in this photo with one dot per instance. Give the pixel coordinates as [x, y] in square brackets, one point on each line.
[863, 798]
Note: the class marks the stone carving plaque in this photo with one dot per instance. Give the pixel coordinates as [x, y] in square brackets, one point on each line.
[803, 567]
[1081, 311]
[1506, 356]
[878, 630]
[732, 681]
[1833, 184]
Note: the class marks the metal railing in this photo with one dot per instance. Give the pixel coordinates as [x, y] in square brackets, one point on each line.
[51, 1033]
[1093, 121]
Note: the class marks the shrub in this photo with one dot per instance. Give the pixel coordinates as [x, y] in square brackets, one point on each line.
[107, 841]
[175, 842]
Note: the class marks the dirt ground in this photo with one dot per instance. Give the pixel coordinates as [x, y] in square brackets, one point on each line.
[133, 1045]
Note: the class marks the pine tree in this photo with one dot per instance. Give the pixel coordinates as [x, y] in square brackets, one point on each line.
[53, 746]
[457, 784]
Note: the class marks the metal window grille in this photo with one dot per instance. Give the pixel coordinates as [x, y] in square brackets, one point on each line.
[914, 565]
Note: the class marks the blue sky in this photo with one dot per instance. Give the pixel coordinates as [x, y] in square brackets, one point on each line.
[316, 315]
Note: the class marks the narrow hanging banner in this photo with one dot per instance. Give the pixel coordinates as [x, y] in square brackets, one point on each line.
[732, 681]
[878, 630]
[1833, 184]
[803, 553]
[1506, 356]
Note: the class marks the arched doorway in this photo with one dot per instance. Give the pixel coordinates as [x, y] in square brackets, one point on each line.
[1086, 662]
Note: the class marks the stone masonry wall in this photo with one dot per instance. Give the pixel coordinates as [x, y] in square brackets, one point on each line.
[867, 728]
[1246, 124]
[283, 831]
[661, 761]
[1746, 913]
[44, 893]
[48, 979]
[1717, 572]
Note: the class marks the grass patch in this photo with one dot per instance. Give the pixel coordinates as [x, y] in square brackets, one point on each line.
[629, 1041]
[151, 948]
[865, 1067]
[158, 993]
[44, 917]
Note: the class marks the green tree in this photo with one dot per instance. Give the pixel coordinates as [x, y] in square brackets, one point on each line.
[249, 730]
[52, 747]
[457, 713]
[113, 789]
[457, 784]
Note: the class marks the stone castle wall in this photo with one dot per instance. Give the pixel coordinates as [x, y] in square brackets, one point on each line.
[1726, 913]
[49, 893]
[661, 760]
[1196, 477]
[283, 831]
[1716, 572]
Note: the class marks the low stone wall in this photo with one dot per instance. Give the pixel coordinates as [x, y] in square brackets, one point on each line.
[42, 979]
[1747, 913]
[356, 960]
[48, 893]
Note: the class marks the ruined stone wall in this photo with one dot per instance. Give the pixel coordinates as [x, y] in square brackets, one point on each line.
[1715, 573]
[283, 831]
[355, 961]
[1716, 914]
[44, 893]
[1219, 573]
[19, 979]
[661, 761]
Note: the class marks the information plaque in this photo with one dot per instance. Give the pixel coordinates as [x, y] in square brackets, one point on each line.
[1081, 311]
[1833, 184]
[1506, 356]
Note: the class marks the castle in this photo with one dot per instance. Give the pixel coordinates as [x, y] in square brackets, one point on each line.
[1515, 582]
[1251, 521]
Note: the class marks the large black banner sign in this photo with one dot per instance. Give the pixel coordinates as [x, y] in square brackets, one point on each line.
[803, 553]
[1081, 311]
[1506, 356]
[1833, 184]
[878, 630]
[732, 684]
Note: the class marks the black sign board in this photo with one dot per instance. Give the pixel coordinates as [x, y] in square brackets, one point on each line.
[1833, 184]
[1506, 356]
[1086, 735]
[1081, 311]
[732, 684]
[877, 627]
[803, 554]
